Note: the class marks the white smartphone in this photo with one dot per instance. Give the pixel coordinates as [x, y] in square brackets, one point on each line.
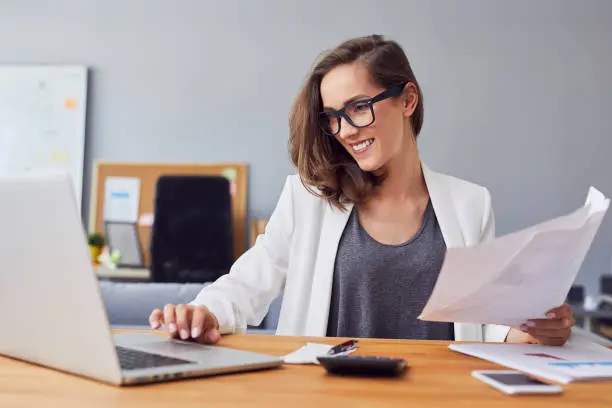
[515, 382]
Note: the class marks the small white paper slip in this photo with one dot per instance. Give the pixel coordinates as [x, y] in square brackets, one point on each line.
[308, 353]
[146, 219]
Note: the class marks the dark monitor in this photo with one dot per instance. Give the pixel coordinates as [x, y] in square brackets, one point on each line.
[123, 236]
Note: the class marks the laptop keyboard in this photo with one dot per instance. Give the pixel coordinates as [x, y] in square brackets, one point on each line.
[130, 359]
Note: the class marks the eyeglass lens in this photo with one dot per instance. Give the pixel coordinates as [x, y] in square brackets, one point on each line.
[359, 114]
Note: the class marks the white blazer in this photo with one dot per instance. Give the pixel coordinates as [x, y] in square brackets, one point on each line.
[295, 257]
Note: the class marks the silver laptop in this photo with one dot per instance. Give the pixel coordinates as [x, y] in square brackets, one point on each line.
[52, 311]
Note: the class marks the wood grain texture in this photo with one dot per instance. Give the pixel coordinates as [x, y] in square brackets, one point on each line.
[438, 378]
[148, 173]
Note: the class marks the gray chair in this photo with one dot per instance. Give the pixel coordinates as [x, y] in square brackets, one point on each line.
[129, 304]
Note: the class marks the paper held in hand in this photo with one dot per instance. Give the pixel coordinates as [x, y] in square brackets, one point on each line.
[519, 276]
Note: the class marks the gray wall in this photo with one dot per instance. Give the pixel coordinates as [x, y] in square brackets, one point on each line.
[517, 93]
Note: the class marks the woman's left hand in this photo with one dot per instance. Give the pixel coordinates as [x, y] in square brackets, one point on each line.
[553, 331]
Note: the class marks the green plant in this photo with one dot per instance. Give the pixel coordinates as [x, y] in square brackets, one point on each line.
[96, 239]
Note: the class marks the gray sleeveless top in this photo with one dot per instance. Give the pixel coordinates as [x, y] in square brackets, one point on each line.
[379, 290]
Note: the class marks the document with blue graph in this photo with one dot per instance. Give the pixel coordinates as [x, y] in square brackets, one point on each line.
[578, 360]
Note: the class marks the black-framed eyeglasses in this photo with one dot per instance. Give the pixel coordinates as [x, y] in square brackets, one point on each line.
[358, 113]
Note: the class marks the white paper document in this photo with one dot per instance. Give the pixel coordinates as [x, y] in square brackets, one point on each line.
[578, 360]
[519, 276]
[121, 199]
[146, 220]
[309, 352]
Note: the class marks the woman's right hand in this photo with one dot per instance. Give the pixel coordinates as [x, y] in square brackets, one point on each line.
[187, 322]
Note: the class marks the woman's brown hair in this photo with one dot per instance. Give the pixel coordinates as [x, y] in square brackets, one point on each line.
[324, 166]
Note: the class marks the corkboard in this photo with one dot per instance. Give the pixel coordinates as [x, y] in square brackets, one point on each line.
[148, 173]
[257, 227]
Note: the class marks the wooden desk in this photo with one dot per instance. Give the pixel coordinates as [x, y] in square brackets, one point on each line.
[438, 378]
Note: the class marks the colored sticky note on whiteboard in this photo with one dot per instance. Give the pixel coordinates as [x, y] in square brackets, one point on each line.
[70, 103]
[59, 157]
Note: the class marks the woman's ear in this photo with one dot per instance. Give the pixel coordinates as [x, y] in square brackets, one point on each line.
[410, 99]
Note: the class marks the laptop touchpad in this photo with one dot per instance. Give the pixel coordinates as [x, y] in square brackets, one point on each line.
[190, 351]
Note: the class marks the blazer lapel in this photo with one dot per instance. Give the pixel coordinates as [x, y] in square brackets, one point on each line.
[444, 208]
[451, 230]
[334, 222]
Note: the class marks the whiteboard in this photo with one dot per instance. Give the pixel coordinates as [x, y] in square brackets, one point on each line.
[42, 121]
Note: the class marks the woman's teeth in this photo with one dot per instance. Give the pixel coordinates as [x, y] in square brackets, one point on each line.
[361, 146]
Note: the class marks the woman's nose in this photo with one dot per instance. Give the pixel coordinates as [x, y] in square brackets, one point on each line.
[346, 129]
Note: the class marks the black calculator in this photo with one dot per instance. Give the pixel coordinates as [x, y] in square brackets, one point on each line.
[364, 366]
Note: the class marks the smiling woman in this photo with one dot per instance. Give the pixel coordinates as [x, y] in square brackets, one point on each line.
[354, 85]
[358, 237]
